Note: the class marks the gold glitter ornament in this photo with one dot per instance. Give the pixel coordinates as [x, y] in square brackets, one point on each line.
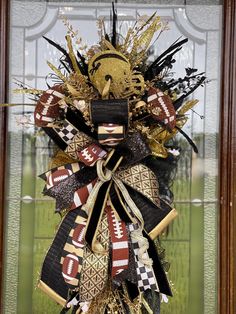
[110, 64]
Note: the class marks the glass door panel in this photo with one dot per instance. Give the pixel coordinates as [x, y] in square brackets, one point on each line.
[190, 241]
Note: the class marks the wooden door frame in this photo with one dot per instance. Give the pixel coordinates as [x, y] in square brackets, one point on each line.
[227, 214]
[227, 171]
[4, 41]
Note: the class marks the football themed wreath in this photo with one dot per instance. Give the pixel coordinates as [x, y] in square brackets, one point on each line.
[113, 117]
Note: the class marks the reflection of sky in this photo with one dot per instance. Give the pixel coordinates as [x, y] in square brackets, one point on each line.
[38, 51]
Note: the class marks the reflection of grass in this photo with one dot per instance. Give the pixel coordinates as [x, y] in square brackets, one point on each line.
[184, 250]
[38, 223]
[45, 226]
[47, 220]
[184, 240]
[26, 236]
[178, 255]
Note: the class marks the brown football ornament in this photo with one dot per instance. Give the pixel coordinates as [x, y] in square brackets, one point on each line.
[48, 108]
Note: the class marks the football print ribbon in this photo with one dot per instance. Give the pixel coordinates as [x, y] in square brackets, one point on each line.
[91, 154]
[88, 185]
[58, 174]
[81, 195]
[72, 257]
[106, 182]
[119, 243]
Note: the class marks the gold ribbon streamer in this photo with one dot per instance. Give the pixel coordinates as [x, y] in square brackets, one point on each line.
[136, 235]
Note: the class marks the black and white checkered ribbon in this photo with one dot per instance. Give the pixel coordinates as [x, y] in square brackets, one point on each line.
[145, 274]
[66, 132]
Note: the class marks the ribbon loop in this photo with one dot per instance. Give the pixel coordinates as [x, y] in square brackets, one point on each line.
[103, 173]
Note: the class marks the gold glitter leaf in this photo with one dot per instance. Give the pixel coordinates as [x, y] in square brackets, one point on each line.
[146, 37]
[140, 38]
[59, 159]
[158, 149]
[187, 106]
[58, 72]
[72, 55]
[73, 91]
[28, 91]
[109, 45]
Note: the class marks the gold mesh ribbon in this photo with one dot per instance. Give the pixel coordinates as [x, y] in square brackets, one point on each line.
[95, 266]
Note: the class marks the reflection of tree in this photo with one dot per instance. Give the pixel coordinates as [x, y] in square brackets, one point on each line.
[183, 175]
[190, 162]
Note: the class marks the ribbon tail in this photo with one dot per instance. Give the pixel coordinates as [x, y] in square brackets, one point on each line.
[132, 206]
[97, 202]
[118, 205]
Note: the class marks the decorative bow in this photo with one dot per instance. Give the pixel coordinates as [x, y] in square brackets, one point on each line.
[91, 186]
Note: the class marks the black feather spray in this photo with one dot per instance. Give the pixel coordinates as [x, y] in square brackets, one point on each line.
[190, 141]
[164, 58]
[62, 50]
[114, 26]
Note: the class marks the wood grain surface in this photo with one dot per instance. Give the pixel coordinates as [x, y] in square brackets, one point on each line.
[227, 219]
[4, 18]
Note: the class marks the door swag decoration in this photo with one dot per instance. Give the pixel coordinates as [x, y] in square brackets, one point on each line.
[113, 117]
